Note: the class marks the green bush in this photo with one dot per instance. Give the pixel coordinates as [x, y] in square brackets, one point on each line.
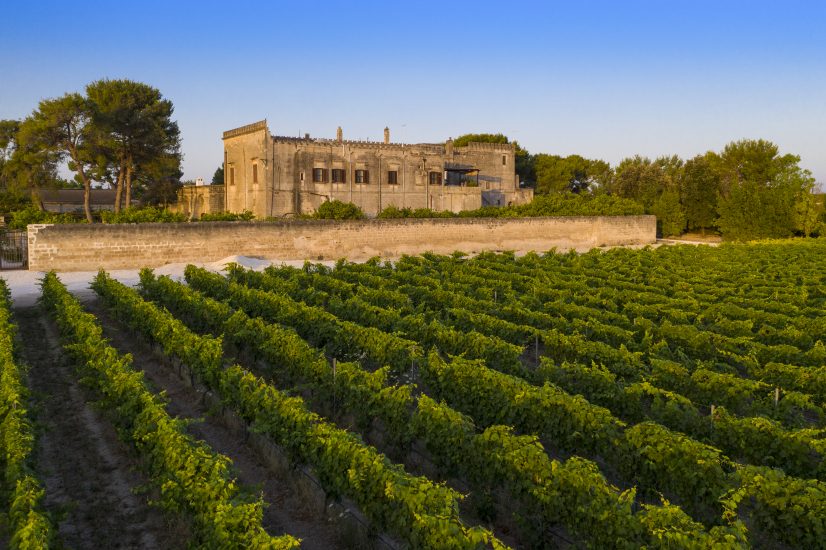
[32, 214]
[752, 212]
[246, 216]
[394, 212]
[338, 210]
[562, 204]
[149, 214]
[146, 214]
[488, 212]
[670, 215]
[11, 201]
[570, 204]
[548, 205]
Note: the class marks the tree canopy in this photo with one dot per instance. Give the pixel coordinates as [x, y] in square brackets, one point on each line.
[523, 160]
[62, 127]
[218, 176]
[17, 167]
[133, 130]
[762, 193]
[699, 191]
[749, 190]
[555, 174]
[120, 132]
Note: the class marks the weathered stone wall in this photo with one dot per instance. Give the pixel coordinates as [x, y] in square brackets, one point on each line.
[246, 175]
[195, 201]
[81, 247]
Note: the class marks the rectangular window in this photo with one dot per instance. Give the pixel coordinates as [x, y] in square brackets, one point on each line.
[504, 160]
[435, 178]
[319, 175]
[232, 175]
[339, 175]
[254, 172]
[392, 177]
[362, 176]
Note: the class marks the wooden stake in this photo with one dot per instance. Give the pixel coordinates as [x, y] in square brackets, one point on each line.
[776, 395]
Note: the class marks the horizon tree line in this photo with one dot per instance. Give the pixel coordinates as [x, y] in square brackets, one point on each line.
[749, 190]
[120, 134]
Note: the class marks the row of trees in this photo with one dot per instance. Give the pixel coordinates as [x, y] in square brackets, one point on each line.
[749, 190]
[120, 135]
[746, 191]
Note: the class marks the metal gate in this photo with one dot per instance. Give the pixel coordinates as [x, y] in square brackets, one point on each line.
[14, 250]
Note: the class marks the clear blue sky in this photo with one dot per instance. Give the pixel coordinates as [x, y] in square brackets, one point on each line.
[602, 79]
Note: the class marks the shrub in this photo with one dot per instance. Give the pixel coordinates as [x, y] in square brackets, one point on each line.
[560, 204]
[570, 204]
[246, 216]
[147, 214]
[394, 212]
[338, 210]
[32, 214]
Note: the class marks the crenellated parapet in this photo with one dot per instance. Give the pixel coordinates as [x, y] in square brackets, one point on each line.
[495, 147]
[431, 148]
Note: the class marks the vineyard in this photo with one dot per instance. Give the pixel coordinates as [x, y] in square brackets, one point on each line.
[661, 398]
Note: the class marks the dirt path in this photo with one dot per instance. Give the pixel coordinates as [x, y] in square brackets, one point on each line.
[286, 511]
[87, 471]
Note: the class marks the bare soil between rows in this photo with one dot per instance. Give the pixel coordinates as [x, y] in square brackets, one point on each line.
[89, 476]
[285, 510]
[92, 479]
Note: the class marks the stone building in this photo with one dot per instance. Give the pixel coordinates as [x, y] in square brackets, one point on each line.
[196, 200]
[277, 176]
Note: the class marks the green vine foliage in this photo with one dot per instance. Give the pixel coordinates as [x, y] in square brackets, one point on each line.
[753, 440]
[192, 479]
[694, 374]
[428, 331]
[656, 367]
[791, 509]
[30, 527]
[342, 339]
[422, 512]
[573, 494]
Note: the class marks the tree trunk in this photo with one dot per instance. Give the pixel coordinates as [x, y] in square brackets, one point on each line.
[119, 189]
[87, 184]
[87, 191]
[36, 200]
[128, 183]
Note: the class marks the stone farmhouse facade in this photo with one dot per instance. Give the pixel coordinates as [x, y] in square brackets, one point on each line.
[278, 176]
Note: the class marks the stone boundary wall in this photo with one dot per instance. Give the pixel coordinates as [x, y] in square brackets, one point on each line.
[82, 247]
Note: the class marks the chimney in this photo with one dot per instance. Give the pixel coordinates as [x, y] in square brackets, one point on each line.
[386, 134]
[339, 135]
[449, 147]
